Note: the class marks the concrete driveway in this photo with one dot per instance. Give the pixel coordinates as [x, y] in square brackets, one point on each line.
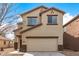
[43, 54]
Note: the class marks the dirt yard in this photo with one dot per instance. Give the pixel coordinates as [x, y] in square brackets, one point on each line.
[70, 52]
[6, 51]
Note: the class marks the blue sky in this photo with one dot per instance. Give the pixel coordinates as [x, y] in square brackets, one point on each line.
[72, 8]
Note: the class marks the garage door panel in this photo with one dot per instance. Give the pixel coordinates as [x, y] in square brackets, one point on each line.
[42, 44]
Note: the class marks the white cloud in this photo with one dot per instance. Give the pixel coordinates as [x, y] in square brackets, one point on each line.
[19, 18]
[66, 18]
[10, 35]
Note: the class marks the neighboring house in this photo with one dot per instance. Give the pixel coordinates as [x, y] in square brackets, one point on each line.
[71, 34]
[11, 43]
[41, 30]
[4, 43]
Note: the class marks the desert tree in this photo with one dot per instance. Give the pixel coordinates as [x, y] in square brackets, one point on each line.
[7, 19]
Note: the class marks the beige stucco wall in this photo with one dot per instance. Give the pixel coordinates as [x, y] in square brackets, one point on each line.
[56, 30]
[1, 43]
[4, 45]
[47, 30]
[73, 28]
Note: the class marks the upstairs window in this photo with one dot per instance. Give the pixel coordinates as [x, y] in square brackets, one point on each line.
[32, 21]
[52, 19]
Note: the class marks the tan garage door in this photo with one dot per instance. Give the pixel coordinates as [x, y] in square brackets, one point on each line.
[42, 44]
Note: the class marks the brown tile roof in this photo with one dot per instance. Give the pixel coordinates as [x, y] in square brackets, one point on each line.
[53, 9]
[34, 9]
[30, 28]
[71, 20]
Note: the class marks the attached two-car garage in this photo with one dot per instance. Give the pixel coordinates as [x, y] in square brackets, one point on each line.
[42, 44]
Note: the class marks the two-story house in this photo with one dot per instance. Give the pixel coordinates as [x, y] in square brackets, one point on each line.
[41, 30]
[71, 34]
